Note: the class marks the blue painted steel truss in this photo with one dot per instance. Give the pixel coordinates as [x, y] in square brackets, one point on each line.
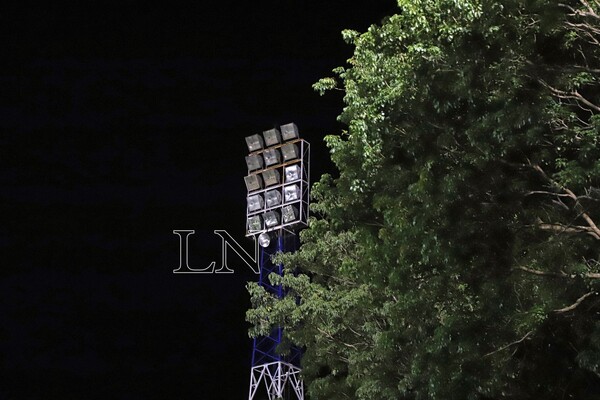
[264, 349]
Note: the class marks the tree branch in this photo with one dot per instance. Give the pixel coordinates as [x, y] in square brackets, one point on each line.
[594, 230]
[590, 10]
[588, 275]
[574, 305]
[545, 192]
[560, 228]
[510, 344]
[575, 95]
[330, 336]
[543, 273]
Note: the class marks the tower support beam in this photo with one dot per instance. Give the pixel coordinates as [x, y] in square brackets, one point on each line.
[276, 376]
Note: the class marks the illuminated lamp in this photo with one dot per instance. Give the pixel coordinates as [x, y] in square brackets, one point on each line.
[290, 151]
[264, 239]
[289, 213]
[291, 193]
[253, 182]
[273, 198]
[292, 173]
[254, 162]
[271, 219]
[289, 131]
[272, 157]
[272, 137]
[255, 202]
[254, 223]
[254, 143]
[271, 177]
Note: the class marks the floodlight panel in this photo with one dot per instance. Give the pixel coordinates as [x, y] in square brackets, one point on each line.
[272, 157]
[290, 151]
[253, 182]
[254, 223]
[271, 177]
[291, 193]
[271, 219]
[254, 162]
[272, 137]
[254, 143]
[273, 198]
[255, 203]
[292, 173]
[289, 214]
[289, 131]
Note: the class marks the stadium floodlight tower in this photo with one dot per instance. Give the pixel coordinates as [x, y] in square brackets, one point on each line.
[277, 208]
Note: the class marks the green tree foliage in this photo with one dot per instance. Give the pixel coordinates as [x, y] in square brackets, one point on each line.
[456, 255]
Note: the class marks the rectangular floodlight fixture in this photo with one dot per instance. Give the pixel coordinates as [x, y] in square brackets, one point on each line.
[273, 198]
[271, 177]
[254, 162]
[271, 219]
[272, 157]
[292, 173]
[289, 131]
[254, 223]
[253, 182]
[290, 151]
[272, 137]
[289, 213]
[254, 143]
[291, 193]
[255, 202]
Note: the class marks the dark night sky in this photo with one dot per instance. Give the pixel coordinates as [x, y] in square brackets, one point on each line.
[119, 124]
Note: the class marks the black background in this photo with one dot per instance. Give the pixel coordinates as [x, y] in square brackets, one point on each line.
[118, 124]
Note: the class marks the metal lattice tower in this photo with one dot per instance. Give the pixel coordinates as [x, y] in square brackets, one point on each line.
[278, 199]
[275, 371]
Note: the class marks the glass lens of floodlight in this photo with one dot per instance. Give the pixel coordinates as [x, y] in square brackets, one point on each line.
[290, 151]
[254, 223]
[253, 182]
[271, 219]
[273, 198]
[254, 143]
[254, 162]
[264, 240]
[255, 202]
[271, 177]
[289, 131]
[292, 173]
[289, 213]
[272, 157]
[291, 193]
[272, 137]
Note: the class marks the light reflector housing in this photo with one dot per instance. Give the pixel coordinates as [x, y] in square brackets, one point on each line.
[271, 219]
[255, 202]
[292, 173]
[253, 182]
[273, 198]
[272, 157]
[289, 131]
[290, 151]
[254, 143]
[272, 137]
[291, 193]
[271, 177]
[254, 162]
[289, 213]
[254, 223]
[264, 239]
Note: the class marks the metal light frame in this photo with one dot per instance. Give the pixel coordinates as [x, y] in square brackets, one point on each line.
[302, 204]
